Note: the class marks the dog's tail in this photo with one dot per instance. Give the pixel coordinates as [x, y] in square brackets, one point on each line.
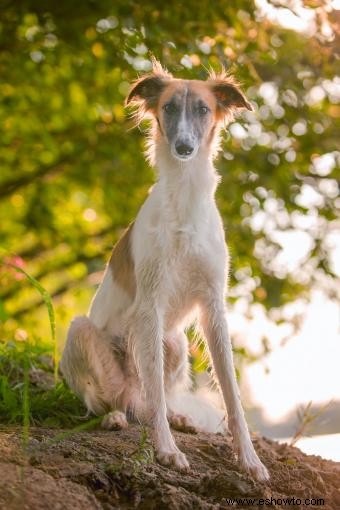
[201, 408]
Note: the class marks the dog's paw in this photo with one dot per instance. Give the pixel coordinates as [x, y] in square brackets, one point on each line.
[175, 459]
[252, 465]
[115, 420]
[182, 423]
[257, 470]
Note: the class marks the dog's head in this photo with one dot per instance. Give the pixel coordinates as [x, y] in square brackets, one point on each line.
[187, 111]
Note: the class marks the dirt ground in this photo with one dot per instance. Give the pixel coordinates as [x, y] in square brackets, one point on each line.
[115, 470]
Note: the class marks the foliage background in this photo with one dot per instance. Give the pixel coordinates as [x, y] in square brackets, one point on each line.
[72, 172]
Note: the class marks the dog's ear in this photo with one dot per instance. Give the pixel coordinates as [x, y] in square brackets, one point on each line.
[228, 94]
[146, 90]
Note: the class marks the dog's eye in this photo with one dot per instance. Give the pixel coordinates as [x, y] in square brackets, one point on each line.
[169, 108]
[203, 110]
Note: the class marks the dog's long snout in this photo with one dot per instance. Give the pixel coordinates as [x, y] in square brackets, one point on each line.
[183, 149]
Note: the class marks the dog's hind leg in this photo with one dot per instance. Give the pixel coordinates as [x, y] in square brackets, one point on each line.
[92, 370]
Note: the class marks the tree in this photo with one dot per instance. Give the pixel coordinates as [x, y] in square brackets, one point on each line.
[73, 174]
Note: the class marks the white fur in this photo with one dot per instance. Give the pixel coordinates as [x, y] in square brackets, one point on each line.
[181, 266]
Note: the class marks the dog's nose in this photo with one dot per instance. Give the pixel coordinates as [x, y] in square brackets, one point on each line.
[184, 149]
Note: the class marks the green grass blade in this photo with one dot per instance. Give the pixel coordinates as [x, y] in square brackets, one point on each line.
[26, 403]
[49, 305]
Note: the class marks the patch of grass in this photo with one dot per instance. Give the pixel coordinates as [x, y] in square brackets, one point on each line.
[31, 391]
[28, 392]
[142, 456]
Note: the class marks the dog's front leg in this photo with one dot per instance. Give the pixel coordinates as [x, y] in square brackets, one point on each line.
[146, 337]
[216, 331]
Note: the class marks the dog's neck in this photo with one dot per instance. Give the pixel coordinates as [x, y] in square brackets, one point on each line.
[186, 186]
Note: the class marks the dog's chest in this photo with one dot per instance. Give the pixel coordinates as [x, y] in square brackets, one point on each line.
[183, 239]
[193, 254]
[195, 232]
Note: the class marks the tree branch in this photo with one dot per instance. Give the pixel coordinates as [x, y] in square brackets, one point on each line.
[9, 187]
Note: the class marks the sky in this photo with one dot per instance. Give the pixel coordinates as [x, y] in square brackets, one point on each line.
[300, 368]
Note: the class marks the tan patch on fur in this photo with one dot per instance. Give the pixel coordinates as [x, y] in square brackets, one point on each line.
[121, 263]
[173, 86]
[201, 88]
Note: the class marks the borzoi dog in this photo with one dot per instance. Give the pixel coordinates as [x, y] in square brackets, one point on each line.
[130, 354]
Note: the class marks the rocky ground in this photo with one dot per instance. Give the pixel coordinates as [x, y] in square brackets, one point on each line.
[107, 470]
